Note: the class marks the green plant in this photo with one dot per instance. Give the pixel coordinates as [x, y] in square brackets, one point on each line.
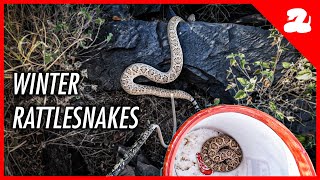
[286, 99]
[307, 140]
[215, 102]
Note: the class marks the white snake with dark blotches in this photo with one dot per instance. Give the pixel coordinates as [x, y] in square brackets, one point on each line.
[153, 74]
[221, 153]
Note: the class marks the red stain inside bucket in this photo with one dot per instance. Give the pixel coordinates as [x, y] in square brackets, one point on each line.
[203, 168]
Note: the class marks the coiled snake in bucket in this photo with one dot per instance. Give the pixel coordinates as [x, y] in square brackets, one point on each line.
[153, 74]
[221, 153]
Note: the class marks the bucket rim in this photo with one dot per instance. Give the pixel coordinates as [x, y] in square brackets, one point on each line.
[300, 155]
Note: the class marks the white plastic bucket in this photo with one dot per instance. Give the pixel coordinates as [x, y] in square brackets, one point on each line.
[268, 147]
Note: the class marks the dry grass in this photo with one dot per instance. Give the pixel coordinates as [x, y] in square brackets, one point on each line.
[49, 37]
[43, 38]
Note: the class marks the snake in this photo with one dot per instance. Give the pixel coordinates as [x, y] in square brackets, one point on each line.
[221, 153]
[155, 75]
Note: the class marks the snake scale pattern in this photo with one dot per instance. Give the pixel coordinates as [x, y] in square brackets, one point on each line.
[221, 153]
[153, 74]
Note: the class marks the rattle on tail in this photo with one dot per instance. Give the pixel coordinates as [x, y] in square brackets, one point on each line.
[153, 74]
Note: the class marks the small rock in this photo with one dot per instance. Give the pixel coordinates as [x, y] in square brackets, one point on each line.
[121, 11]
[254, 19]
[143, 169]
[127, 171]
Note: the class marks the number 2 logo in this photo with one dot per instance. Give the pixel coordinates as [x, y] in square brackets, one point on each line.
[298, 25]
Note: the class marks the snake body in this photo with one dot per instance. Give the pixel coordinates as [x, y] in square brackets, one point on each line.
[153, 74]
[221, 153]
